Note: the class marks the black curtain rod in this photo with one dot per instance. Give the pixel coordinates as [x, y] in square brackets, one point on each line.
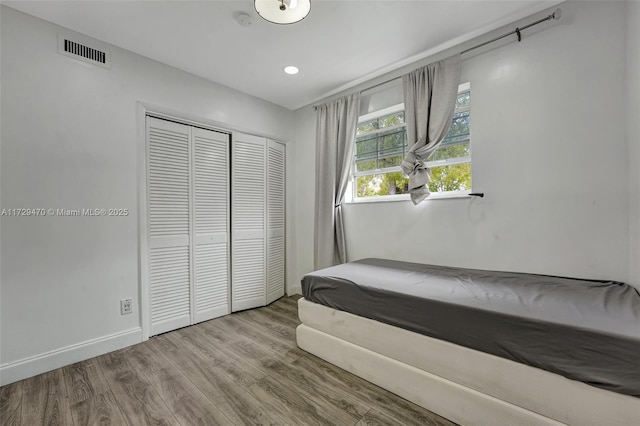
[556, 15]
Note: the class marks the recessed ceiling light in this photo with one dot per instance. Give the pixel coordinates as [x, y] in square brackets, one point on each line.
[291, 70]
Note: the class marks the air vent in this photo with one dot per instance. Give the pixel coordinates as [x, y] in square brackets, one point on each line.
[81, 50]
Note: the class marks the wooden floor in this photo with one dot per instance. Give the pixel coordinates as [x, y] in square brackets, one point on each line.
[241, 369]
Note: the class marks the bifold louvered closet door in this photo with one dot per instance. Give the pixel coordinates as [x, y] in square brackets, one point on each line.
[188, 221]
[275, 221]
[258, 196]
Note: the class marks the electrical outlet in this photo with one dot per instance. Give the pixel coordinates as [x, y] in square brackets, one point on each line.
[126, 306]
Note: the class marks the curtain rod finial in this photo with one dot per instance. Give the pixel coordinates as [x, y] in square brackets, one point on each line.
[557, 14]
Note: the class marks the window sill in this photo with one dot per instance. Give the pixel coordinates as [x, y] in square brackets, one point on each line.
[405, 197]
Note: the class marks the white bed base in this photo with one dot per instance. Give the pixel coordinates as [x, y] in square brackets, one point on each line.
[458, 383]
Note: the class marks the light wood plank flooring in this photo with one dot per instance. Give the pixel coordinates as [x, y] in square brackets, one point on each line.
[241, 369]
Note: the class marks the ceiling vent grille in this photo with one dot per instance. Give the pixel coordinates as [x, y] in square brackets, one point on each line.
[83, 52]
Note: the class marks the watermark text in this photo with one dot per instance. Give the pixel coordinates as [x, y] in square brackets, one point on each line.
[63, 212]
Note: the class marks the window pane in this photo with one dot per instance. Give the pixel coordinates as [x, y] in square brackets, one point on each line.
[367, 126]
[366, 147]
[380, 150]
[365, 165]
[451, 178]
[382, 184]
[463, 101]
[385, 162]
[391, 148]
[367, 153]
[391, 120]
[459, 126]
[448, 152]
[393, 139]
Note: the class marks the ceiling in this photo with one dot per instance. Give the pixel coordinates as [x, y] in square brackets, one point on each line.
[338, 44]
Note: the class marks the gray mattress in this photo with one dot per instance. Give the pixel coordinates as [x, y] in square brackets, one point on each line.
[585, 330]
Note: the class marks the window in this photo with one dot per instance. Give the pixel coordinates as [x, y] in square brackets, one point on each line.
[381, 145]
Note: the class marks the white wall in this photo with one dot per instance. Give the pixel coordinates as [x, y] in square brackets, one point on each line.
[549, 150]
[633, 105]
[69, 141]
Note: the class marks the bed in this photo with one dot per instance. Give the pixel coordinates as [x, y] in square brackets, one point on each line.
[481, 347]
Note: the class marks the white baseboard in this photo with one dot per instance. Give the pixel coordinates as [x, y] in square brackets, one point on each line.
[28, 367]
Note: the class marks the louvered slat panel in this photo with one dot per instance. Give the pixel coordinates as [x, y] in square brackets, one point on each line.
[169, 286]
[211, 207]
[249, 185]
[211, 184]
[275, 193]
[212, 284]
[168, 189]
[249, 210]
[168, 178]
[248, 280]
[275, 221]
[275, 267]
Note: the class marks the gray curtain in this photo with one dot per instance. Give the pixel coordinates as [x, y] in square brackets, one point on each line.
[336, 126]
[430, 96]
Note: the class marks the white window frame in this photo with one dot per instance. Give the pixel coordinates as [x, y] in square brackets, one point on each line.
[351, 191]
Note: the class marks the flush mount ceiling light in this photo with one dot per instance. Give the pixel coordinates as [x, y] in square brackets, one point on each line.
[291, 69]
[283, 11]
